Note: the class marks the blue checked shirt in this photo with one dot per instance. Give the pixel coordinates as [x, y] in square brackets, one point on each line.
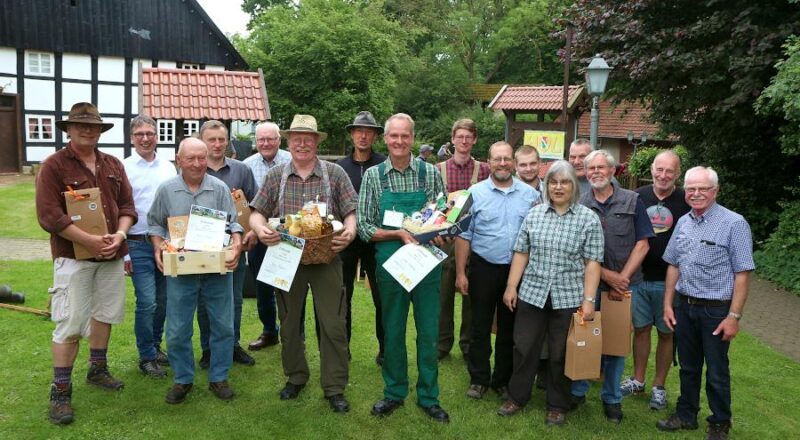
[708, 250]
[557, 246]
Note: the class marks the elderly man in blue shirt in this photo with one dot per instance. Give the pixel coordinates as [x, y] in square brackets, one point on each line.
[710, 258]
[500, 204]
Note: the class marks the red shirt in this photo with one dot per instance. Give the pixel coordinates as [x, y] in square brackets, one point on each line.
[65, 168]
[459, 176]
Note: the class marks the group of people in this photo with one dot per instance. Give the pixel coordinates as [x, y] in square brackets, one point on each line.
[536, 251]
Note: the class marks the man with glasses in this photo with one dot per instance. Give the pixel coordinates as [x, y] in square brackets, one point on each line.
[268, 155]
[626, 231]
[146, 171]
[459, 172]
[710, 257]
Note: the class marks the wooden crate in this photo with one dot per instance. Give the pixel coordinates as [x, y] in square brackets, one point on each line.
[189, 263]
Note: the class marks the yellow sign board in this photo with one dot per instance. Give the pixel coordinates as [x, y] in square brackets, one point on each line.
[550, 144]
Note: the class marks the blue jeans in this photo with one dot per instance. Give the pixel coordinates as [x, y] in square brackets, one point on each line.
[150, 289]
[265, 294]
[696, 344]
[202, 314]
[183, 293]
[612, 367]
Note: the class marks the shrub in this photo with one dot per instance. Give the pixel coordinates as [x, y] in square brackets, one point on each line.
[779, 259]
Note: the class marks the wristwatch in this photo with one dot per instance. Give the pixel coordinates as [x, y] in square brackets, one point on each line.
[589, 299]
[734, 315]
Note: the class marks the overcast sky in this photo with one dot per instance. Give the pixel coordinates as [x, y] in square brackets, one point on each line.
[227, 15]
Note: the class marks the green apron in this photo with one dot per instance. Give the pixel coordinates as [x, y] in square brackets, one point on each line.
[395, 304]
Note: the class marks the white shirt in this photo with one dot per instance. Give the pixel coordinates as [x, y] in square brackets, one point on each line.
[145, 177]
[260, 167]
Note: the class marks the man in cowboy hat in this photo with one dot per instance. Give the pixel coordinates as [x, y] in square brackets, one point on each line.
[285, 190]
[88, 296]
[364, 131]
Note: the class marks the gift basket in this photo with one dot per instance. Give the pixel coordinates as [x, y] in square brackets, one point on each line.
[316, 230]
[444, 216]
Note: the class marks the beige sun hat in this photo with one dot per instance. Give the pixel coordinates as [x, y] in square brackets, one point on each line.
[304, 124]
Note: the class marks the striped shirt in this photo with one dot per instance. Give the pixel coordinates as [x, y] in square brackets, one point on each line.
[369, 215]
[261, 166]
[708, 251]
[557, 246]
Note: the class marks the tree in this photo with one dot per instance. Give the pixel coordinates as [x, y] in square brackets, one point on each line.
[701, 65]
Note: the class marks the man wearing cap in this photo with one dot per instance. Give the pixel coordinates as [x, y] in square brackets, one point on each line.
[236, 175]
[363, 131]
[268, 156]
[396, 187]
[285, 190]
[88, 296]
[146, 171]
[425, 152]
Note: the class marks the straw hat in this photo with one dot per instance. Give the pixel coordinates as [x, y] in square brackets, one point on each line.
[304, 124]
[84, 113]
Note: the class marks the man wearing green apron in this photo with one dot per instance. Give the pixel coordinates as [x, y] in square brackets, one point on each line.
[389, 191]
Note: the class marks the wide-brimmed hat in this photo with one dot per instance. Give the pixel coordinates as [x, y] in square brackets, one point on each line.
[304, 124]
[84, 113]
[365, 119]
[425, 147]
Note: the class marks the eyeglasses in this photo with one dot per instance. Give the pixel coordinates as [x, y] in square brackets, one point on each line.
[563, 183]
[144, 135]
[262, 140]
[665, 171]
[501, 160]
[699, 189]
[464, 137]
[598, 168]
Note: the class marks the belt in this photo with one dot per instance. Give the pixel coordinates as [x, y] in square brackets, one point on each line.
[137, 237]
[704, 302]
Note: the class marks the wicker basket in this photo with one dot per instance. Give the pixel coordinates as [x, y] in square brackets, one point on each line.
[318, 250]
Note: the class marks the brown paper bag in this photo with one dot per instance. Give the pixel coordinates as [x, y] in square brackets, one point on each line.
[616, 325]
[242, 209]
[85, 208]
[584, 347]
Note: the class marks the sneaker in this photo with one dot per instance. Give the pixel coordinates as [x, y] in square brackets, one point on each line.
[718, 431]
[631, 386]
[658, 398]
[221, 389]
[61, 405]
[99, 376]
[476, 391]
[178, 392]
[161, 357]
[241, 357]
[152, 369]
[205, 359]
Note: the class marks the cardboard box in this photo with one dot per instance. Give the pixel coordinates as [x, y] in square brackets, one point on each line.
[584, 347]
[191, 263]
[242, 209]
[617, 326]
[85, 208]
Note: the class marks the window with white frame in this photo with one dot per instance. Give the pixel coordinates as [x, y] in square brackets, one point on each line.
[190, 127]
[40, 63]
[39, 128]
[166, 131]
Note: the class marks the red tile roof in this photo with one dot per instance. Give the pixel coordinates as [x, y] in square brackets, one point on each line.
[534, 98]
[203, 94]
[616, 122]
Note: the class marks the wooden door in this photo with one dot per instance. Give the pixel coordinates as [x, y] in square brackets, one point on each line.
[10, 148]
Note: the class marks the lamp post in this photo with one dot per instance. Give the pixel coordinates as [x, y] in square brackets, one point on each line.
[632, 140]
[596, 78]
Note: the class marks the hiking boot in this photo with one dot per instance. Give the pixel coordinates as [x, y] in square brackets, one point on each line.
[613, 412]
[631, 386]
[205, 359]
[99, 376]
[241, 357]
[658, 398]
[221, 389]
[152, 369]
[178, 392]
[508, 408]
[60, 404]
[675, 423]
[555, 418]
[161, 357]
[476, 391]
[718, 431]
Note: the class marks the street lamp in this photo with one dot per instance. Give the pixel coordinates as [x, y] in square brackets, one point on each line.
[596, 78]
[632, 140]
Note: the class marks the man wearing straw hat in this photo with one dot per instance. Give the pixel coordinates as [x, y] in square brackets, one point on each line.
[285, 190]
[88, 296]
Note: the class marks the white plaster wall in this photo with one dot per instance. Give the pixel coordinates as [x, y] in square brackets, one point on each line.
[74, 92]
[166, 152]
[213, 67]
[38, 154]
[117, 152]
[117, 133]
[9, 84]
[110, 99]
[167, 65]
[76, 66]
[111, 69]
[40, 94]
[8, 60]
[135, 100]
[145, 64]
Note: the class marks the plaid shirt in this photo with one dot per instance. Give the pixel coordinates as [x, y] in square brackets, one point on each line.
[260, 167]
[459, 176]
[708, 251]
[369, 215]
[557, 246]
[298, 191]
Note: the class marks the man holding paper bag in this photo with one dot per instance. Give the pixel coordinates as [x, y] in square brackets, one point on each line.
[285, 190]
[88, 295]
[391, 190]
[627, 229]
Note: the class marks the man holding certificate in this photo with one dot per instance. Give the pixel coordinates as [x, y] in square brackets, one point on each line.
[176, 197]
[391, 190]
[285, 190]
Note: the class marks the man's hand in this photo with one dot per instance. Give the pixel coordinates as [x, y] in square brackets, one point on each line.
[510, 298]
[615, 295]
[266, 235]
[616, 280]
[729, 327]
[462, 284]
[159, 261]
[441, 241]
[588, 310]
[340, 241]
[249, 241]
[233, 254]
[669, 318]
[113, 242]
[405, 237]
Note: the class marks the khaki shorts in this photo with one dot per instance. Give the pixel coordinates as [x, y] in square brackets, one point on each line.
[83, 290]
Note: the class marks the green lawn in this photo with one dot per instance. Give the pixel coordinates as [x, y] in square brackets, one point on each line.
[18, 216]
[765, 386]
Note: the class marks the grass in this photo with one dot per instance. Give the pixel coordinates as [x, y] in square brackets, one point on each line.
[19, 211]
[765, 386]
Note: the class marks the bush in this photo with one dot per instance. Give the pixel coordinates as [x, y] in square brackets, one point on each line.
[779, 259]
[639, 163]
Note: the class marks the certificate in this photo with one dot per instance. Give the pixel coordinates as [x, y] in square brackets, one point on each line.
[281, 261]
[205, 230]
[413, 262]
